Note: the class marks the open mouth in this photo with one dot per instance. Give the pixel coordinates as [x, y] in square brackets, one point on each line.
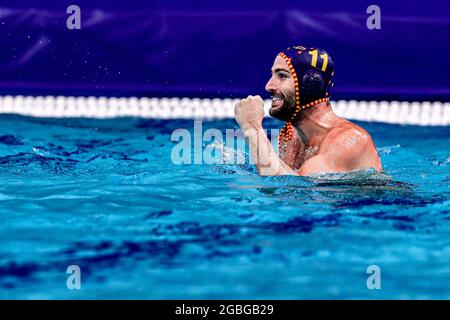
[277, 102]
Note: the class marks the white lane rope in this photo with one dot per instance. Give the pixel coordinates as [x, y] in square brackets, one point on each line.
[395, 112]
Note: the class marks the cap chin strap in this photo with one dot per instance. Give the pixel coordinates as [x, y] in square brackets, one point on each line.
[286, 132]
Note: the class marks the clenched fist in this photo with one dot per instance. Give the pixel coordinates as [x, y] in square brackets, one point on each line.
[249, 112]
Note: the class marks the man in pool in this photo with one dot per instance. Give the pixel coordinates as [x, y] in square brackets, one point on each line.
[314, 139]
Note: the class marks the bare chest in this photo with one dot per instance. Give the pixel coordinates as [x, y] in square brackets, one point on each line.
[294, 153]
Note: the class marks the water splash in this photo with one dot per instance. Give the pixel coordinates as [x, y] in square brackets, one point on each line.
[232, 161]
[389, 149]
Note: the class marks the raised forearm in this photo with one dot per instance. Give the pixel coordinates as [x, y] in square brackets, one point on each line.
[249, 114]
[266, 160]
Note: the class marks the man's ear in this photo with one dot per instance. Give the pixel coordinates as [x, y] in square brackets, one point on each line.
[312, 83]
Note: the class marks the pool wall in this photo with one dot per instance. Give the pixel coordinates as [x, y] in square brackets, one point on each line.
[221, 49]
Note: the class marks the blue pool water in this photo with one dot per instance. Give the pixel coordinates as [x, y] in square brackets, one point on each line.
[104, 195]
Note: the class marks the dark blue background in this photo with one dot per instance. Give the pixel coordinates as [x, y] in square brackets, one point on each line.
[221, 48]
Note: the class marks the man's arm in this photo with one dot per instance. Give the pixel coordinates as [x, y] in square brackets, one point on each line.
[249, 113]
[266, 160]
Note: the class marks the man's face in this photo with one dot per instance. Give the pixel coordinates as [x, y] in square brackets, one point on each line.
[282, 90]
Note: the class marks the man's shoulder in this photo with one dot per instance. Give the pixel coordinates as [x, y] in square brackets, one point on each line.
[347, 136]
[351, 147]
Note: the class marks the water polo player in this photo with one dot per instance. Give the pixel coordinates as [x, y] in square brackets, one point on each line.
[314, 139]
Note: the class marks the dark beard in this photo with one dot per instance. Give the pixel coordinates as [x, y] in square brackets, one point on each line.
[287, 109]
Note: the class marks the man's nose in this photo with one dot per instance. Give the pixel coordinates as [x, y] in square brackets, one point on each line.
[270, 86]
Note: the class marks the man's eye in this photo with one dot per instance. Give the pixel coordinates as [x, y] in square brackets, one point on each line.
[282, 75]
